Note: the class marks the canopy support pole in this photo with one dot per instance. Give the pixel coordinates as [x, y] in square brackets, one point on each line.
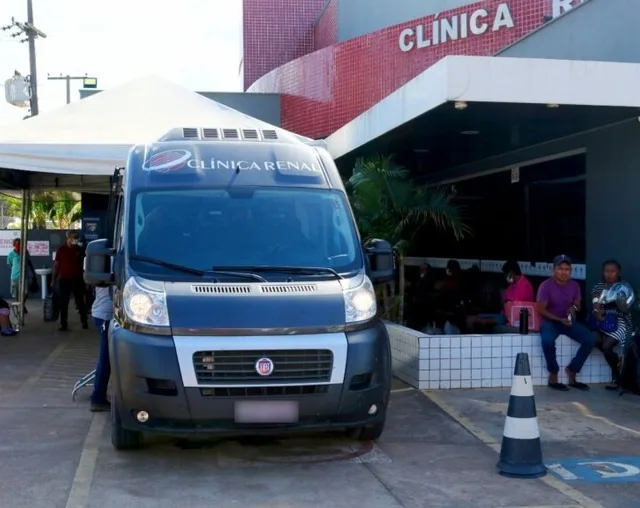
[22, 288]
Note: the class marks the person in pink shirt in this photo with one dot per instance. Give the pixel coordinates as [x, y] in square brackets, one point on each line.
[519, 289]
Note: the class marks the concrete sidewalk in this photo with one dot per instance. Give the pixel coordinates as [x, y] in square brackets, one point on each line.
[55, 454]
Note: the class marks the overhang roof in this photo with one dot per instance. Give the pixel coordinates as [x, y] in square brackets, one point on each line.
[493, 80]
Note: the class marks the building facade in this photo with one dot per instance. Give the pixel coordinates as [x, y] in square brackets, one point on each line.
[331, 60]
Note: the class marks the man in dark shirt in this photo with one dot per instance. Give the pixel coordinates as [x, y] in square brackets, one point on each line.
[67, 274]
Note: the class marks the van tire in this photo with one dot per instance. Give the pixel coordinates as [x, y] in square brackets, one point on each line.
[123, 439]
[369, 432]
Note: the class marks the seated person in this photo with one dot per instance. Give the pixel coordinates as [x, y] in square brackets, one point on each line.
[5, 321]
[488, 303]
[519, 288]
[422, 299]
[450, 311]
[622, 333]
[559, 299]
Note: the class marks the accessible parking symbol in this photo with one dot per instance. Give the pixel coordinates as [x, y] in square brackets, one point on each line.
[598, 470]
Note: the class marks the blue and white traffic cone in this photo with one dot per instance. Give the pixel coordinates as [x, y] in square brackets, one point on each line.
[521, 451]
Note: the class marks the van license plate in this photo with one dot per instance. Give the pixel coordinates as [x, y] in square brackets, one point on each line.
[263, 411]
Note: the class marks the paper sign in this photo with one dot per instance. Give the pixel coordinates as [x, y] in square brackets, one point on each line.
[7, 236]
[38, 247]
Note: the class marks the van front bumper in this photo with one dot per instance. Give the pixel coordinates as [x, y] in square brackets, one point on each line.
[149, 373]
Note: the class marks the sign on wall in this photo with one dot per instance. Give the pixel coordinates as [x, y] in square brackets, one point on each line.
[455, 27]
[35, 247]
[467, 24]
[38, 247]
[6, 241]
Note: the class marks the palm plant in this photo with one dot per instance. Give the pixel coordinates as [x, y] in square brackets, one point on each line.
[61, 208]
[387, 204]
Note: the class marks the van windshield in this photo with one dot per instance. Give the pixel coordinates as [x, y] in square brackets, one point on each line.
[210, 229]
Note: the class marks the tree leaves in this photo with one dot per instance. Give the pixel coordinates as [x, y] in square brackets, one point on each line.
[388, 205]
[60, 209]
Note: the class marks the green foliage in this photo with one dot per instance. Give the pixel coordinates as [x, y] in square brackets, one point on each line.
[60, 209]
[390, 206]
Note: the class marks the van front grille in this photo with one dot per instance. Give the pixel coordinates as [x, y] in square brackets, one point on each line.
[289, 366]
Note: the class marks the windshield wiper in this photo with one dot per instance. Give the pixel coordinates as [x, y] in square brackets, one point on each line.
[299, 270]
[166, 264]
[195, 271]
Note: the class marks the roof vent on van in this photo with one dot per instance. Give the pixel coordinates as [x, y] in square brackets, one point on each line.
[190, 132]
[249, 134]
[210, 134]
[230, 134]
[269, 134]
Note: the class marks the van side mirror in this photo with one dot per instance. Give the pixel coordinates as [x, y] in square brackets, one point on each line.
[97, 263]
[381, 260]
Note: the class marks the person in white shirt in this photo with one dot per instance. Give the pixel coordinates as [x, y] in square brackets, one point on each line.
[102, 313]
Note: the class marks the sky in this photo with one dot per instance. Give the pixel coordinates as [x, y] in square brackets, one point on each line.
[195, 43]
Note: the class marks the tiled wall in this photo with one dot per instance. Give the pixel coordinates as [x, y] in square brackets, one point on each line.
[326, 29]
[276, 32]
[326, 89]
[433, 362]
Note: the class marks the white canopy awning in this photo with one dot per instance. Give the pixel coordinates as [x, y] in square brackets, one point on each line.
[493, 79]
[94, 135]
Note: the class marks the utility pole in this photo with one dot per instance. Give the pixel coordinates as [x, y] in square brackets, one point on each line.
[86, 80]
[30, 33]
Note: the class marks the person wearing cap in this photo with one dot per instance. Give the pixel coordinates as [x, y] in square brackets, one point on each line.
[559, 299]
[67, 275]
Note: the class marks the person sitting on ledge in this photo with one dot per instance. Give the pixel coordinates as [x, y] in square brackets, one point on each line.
[519, 289]
[559, 299]
[622, 332]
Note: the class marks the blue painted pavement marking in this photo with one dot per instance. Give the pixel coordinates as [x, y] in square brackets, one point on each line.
[598, 469]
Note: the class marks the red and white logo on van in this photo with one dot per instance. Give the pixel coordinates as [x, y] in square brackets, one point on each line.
[165, 162]
[264, 367]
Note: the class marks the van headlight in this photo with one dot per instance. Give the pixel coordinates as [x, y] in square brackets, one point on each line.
[144, 305]
[360, 302]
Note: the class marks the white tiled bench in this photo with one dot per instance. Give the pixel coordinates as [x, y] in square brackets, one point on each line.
[479, 361]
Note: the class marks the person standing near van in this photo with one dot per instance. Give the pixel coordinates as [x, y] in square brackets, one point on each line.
[13, 260]
[102, 313]
[67, 275]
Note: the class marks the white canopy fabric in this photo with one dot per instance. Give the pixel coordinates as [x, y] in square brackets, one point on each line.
[93, 136]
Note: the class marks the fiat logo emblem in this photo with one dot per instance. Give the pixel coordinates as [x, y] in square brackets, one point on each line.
[264, 367]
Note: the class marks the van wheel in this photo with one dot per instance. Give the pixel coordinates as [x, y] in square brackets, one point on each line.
[121, 438]
[369, 432]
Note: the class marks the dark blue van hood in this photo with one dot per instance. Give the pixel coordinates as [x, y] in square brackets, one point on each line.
[277, 305]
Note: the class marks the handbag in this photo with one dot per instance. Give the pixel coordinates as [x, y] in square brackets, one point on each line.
[608, 324]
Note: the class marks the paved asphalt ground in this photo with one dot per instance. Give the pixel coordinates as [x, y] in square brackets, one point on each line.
[439, 449]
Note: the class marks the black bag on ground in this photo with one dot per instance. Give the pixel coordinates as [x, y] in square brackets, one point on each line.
[630, 367]
[51, 308]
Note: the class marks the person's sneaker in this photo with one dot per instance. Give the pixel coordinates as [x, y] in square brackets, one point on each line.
[8, 333]
[63, 329]
[100, 407]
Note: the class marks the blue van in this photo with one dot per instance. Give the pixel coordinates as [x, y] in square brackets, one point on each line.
[243, 298]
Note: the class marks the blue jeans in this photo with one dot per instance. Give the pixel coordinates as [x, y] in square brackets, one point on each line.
[103, 368]
[549, 332]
